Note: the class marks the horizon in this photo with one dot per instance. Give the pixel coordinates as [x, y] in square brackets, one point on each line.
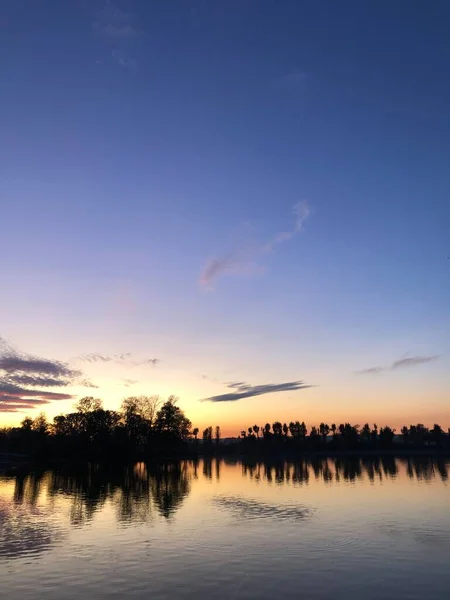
[247, 209]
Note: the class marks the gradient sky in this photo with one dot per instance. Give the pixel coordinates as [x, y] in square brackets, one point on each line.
[250, 192]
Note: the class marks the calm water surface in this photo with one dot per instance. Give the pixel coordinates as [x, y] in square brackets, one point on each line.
[328, 528]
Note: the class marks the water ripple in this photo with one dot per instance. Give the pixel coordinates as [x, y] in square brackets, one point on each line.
[251, 509]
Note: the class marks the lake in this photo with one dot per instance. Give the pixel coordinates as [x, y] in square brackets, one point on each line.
[344, 528]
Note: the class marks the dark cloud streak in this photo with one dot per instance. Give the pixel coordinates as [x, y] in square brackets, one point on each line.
[402, 363]
[22, 377]
[244, 390]
[413, 361]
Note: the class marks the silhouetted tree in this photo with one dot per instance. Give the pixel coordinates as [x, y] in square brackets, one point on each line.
[256, 430]
[349, 434]
[88, 404]
[277, 428]
[405, 434]
[295, 429]
[217, 434]
[374, 434]
[195, 432]
[303, 430]
[40, 424]
[365, 432]
[171, 421]
[27, 424]
[324, 430]
[386, 436]
[144, 408]
[207, 435]
[437, 434]
[314, 436]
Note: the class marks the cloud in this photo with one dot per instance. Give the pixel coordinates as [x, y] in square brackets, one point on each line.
[87, 383]
[244, 390]
[301, 211]
[15, 398]
[370, 371]
[129, 382]
[95, 357]
[34, 381]
[413, 361]
[12, 362]
[402, 363]
[239, 385]
[124, 358]
[116, 28]
[22, 377]
[244, 260]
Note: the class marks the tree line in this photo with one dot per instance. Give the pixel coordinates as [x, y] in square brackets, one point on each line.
[344, 436]
[146, 426]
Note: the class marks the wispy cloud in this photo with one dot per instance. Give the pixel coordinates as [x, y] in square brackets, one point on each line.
[244, 260]
[95, 357]
[22, 376]
[413, 361]
[301, 212]
[371, 371]
[129, 382]
[402, 363]
[245, 390]
[117, 28]
[15, 398]
[125, 358]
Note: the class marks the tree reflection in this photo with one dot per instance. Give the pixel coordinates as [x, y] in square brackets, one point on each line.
[347, 469]
[27, 528]
[137, 492]
[32, 516]
[169, 486]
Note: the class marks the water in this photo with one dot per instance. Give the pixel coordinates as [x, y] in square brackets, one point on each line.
[331, 528]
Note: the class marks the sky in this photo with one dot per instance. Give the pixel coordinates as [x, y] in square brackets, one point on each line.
[242, 203]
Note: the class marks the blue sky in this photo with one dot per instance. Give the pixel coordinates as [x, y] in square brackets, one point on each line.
[142, 140]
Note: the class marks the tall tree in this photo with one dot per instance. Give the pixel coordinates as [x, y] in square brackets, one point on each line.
[277, 428]
[324, 430]
[207, 435]
[88, 404]
[365, 432]
[40, 424]
[171, 421]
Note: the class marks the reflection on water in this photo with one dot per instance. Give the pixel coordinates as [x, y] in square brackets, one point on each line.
[25, 530]
[254, 509]
[136, 491]
[255, 527]
[349, 469]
